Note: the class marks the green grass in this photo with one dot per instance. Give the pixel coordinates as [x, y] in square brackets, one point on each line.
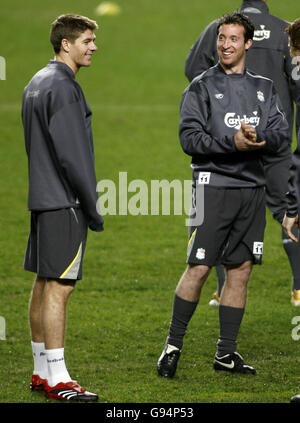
[119, 314]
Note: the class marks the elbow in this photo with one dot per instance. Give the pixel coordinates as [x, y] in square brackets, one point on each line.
[184, 144]
[188, 74]
[186, 148]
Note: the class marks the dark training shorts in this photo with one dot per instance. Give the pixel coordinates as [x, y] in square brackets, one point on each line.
[56, 244]
[233, 227]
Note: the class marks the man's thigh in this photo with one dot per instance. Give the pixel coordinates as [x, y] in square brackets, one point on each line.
[208, 240]
[232, 230]
[246, 238]
[56, 244]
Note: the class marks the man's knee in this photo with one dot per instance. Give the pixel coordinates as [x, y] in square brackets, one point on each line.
[61, 286]
[240, 272]
[198, 272]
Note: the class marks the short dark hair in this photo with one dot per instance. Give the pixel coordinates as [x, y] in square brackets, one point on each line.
[69, 26]
[293, 31]
[237, 18]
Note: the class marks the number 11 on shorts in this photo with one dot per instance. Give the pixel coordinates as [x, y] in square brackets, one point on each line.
[258, 248]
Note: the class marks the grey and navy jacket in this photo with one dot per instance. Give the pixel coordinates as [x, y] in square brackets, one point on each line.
[268, 56]
[212, 109]
[59, 144]
[293, 195]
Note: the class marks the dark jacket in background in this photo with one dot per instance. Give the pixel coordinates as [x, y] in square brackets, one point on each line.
[268, 56]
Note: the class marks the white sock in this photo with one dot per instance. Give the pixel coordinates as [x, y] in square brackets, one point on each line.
[57, 371]
[39, 359]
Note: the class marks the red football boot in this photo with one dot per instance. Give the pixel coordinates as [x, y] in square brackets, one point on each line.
[70, 391]
[37, 383]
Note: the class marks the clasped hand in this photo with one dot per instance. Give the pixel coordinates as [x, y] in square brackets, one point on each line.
[246, 138]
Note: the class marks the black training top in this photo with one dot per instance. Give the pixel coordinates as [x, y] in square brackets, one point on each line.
[212, 109]
[59, 143]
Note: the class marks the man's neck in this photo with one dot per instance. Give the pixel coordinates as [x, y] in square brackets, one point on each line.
[238, 69]
[67, 61]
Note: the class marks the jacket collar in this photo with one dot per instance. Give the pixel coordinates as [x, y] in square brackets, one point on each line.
[259, 5]
[221, 69]
[63, 67]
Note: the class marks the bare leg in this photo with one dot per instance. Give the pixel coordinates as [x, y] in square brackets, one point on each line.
[47, 317]
[47, 311]
[191, 283]
[53, 314]
[35, 310]
[234, 293]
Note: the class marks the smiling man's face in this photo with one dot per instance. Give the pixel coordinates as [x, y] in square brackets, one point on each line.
[82, 49]
[231, 46]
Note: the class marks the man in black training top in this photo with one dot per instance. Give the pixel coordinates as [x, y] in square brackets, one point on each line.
[269, 56]
[292, 215]
[230, 117]
[62, 198]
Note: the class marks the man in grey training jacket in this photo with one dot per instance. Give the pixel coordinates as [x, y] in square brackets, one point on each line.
[230, 119]
[269, 56]
[292, 214]
[62, 198]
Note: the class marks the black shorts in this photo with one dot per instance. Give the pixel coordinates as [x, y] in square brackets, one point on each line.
[56, 244]
[232, 230]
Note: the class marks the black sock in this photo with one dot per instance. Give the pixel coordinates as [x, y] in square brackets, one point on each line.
[221, 277]
[293, 252]
[230, 319]
[183, 311]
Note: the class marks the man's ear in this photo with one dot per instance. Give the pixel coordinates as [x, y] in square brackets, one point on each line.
[65, 45]
[248, 44]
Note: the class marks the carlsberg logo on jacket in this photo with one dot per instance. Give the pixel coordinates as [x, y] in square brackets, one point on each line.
[232, 120]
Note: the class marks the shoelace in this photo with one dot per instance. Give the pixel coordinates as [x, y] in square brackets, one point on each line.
[171, 358]
[75, 385]
[239, 362]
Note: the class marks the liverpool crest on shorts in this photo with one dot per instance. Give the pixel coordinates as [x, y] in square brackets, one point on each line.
[200, 255]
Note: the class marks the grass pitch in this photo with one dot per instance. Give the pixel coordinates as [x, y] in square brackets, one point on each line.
[119, 314]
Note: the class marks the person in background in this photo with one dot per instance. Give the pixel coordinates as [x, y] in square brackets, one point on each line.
[292, 215]
[269, 56]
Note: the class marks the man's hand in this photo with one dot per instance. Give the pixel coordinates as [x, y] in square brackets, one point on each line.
[288, 223]
[245, 139]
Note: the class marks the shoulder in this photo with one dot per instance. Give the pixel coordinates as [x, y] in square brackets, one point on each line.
[268, 18]
[209, 32]
[281, 23]
[53, 80]
[212, 26]
[261, 83]
[61, 86]
[206, 76]
[66, 88]
[253, 75]
[57, 90]
[202, 83]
